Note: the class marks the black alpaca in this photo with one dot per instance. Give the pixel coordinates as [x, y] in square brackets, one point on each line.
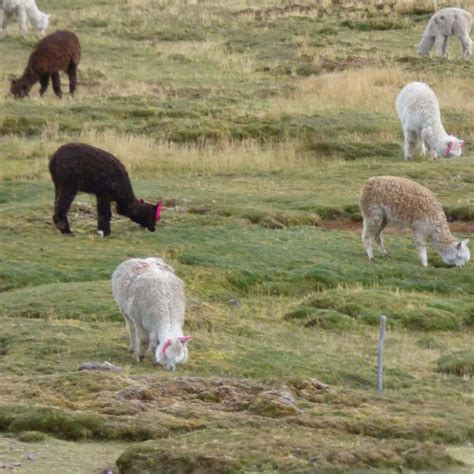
[79, 167]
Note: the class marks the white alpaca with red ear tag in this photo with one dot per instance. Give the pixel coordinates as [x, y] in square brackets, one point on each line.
[419, 113]
[153, 303]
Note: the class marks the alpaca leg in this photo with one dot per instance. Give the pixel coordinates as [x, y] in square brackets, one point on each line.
[56, 84]
[142, 343]
[423, 148]
[64, 198]
[44, 81]
[104, 215]
[22, 19]
[444, 47]
[367, 238]
[419, 138]
[378, 237]
[379, 240]
[131, 333]
[420, 244]
[154, 342]
[411, 141]
[466, 44]
[3, 19]
[72, 75]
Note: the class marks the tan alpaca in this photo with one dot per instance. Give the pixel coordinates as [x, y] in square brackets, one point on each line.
[404, 203]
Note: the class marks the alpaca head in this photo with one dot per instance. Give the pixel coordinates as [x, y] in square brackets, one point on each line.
[20, 88]
[43, 22]
[457, 253]
[172, 352]
[453, 147]
[147, 215]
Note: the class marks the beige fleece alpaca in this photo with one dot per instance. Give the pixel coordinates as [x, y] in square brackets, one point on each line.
[404, 203]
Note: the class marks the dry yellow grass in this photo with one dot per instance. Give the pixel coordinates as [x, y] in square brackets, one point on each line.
[372, 89]
[140, 153]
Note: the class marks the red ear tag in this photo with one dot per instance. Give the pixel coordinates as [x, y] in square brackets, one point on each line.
[159, 207]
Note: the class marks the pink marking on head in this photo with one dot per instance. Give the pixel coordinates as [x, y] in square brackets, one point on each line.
[167, 344]
[185, 338]
[159, 207]
[450, 147]
[462, 144]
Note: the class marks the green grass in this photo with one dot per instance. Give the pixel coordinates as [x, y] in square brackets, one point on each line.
[258, 132]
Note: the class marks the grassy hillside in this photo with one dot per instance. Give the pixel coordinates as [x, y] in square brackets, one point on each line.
[257, 127]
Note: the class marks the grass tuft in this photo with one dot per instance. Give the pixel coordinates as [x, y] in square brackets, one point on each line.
[459, 363]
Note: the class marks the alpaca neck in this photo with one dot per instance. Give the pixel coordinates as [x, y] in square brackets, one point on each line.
[443, 239]
[438, 139]
[29, 76]
[36, 17]
[427, 43]
[33, 13]
[127, 207]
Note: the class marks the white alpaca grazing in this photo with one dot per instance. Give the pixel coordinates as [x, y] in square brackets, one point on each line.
[153, 303]
[419, 114]
[404, 203]
[443, 24]
[26, 11]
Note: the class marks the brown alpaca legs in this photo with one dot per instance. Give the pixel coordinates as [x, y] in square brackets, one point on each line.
[44, 81]
[72, 74]
[104, 214]
[64, 197]
[56, 84]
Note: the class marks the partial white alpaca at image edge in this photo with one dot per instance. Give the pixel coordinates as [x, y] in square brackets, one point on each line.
[27, 12]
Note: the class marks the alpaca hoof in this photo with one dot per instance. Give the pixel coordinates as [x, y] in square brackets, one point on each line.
[68, 234]
[140, 358]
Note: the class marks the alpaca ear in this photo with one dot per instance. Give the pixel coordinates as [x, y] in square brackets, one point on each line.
[185, 339]
[141, 201]
[159, 207]
[465, 242]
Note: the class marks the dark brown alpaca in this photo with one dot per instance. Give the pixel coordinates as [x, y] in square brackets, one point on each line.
[79, 167]
[59, 51]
